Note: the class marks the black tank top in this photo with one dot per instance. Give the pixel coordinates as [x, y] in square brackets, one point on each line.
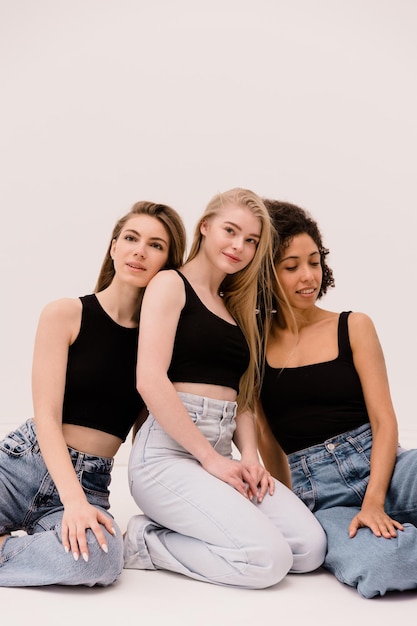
[207, 349]
[306, 405]
[100, 389]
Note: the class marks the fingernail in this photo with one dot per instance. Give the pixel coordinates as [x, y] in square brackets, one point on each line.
[85, 557]
[113, 532]
[66, 548]
[104, 548]
[75, 555]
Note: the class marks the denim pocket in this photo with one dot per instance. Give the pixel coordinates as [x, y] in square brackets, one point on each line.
[95, 484]
[16, 443]
[195, 416]
[305, 492]
[94, 476]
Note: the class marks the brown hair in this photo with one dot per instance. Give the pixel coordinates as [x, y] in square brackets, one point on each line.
[173, 225]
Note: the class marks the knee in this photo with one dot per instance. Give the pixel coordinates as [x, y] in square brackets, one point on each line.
[268, 563]
[309, 551]
[375, 565]
[104, 568]
[312, 551]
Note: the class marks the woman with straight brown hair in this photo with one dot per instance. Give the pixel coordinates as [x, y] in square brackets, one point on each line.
[55, 469]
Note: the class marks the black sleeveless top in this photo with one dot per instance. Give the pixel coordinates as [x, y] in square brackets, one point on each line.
[207, 349]
[306, 405]
[100, 389]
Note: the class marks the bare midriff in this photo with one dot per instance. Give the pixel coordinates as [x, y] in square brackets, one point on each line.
[208, 391]
[91, 441]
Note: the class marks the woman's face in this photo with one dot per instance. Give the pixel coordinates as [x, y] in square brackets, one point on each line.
[141, 250]
[300, 272]
[231, 237]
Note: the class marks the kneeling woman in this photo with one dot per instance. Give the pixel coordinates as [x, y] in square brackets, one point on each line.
[207, 515]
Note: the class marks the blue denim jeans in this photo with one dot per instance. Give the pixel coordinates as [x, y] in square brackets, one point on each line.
[198, 525]
[331, 479]
[29, 501]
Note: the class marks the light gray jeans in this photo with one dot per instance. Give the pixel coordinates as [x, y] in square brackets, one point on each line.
[197, 525]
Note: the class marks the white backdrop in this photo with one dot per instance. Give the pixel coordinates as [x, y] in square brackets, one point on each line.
[105, 102]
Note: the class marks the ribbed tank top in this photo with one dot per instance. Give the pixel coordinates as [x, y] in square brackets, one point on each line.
[306, 405]
[100, 389]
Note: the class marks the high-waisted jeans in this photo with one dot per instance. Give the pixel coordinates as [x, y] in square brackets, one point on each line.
[331, 479]
[197, 525]
[29, 501]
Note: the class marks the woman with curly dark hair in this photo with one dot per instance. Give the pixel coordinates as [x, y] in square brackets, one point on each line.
[326, 422]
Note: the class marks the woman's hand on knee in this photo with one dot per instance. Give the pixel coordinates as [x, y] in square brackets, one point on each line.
[259, 480]
[75, 522]
[375, 518]
[229, 471]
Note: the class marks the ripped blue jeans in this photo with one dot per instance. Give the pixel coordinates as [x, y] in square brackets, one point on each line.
[29, 501]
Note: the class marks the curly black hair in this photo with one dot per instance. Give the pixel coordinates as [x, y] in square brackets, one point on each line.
[290, 220]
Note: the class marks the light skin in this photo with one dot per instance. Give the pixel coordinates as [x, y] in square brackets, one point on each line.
[312, 338]
[139, 253]
[229, 244]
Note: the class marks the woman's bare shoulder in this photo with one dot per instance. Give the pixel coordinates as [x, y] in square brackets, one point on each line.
[165, 279]
[361, 329]
[166, 289]
[62, 308]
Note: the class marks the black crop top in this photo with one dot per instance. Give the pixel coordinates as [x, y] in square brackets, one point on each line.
[306, 405]
[207, 349]
[100, 389]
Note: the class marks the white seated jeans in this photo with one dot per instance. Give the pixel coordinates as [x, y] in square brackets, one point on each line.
[198, 525]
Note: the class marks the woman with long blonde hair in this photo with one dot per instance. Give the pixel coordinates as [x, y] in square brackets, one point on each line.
[206, 514]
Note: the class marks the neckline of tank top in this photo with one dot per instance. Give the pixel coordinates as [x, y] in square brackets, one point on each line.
[109, 317]
[233, 325]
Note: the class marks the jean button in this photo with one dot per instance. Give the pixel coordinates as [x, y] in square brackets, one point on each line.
[330, 447]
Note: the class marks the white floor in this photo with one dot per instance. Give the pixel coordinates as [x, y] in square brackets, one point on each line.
[155, 597]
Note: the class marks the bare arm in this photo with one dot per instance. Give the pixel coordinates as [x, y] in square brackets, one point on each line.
[58, 325]
[273, 456]
[161, 308]
[370, 364]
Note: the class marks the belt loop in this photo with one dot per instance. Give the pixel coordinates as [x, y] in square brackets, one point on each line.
[355, 444]
[305, 466]
[78, 460]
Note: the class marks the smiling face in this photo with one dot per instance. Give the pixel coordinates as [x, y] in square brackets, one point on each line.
[231, 237]
[140, 251]
[300, 272]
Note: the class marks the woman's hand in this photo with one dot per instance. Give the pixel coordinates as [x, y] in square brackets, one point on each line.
[259, 481]
[375, 518]
[75, 521]
[231, 472]
[251, 480]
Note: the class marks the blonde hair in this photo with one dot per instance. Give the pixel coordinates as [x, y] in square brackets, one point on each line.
[173, 224]
[245, 293]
